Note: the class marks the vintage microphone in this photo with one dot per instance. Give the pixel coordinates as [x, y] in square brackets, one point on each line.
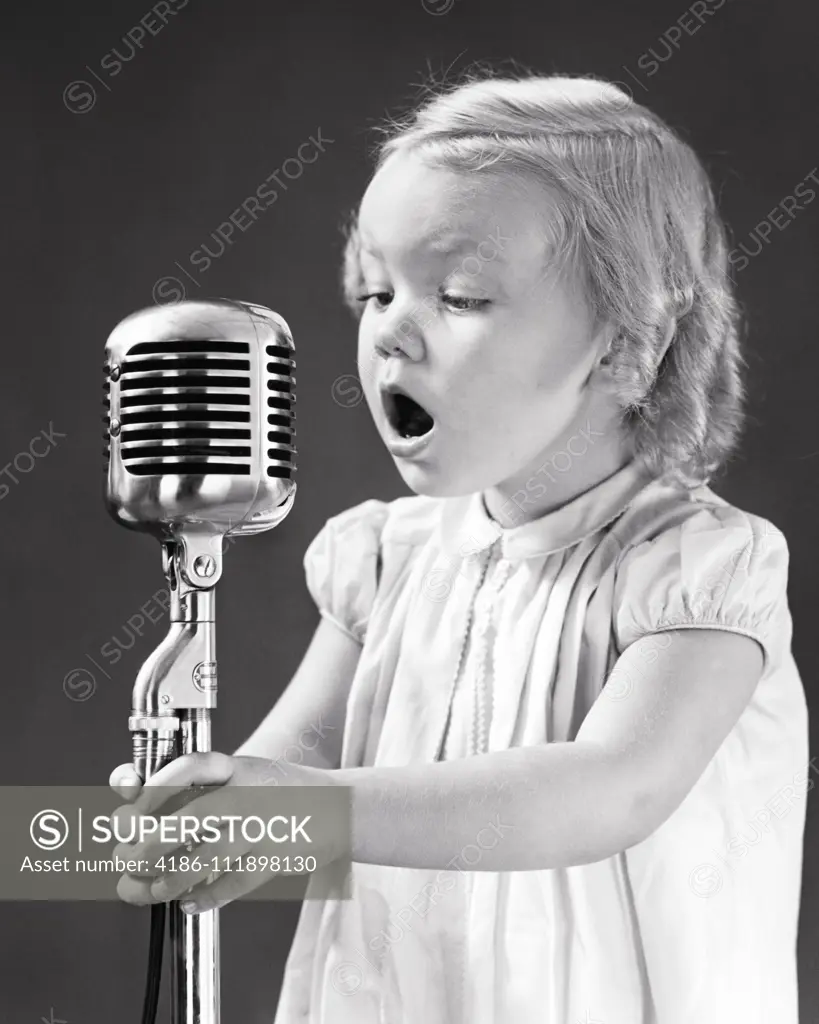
[199, 446]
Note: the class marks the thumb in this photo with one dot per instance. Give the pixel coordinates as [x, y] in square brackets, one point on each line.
[125, 782]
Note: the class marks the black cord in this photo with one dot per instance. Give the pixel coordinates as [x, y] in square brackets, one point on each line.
[154, 978]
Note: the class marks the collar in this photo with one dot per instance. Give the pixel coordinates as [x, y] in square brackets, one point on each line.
[467, 528]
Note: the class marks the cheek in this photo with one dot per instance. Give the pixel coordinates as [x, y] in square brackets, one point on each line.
[485, 402]
[368, 387]
[555, 368]
[366, 359]
[470, 388]
[555, 344]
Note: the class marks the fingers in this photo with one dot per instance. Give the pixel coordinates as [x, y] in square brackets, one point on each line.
[191, 770]
[137, 891]
[141, 891]
[155, 843]
[125, 782]
[205, 866]
[229, 886]
[202, 769]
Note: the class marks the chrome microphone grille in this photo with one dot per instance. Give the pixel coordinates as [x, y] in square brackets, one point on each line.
[198, 396]
[185, 408]
[281, 417]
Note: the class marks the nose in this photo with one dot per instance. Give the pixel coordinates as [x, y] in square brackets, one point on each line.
[399, 333]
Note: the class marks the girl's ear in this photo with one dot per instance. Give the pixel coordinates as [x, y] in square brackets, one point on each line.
[600, 375]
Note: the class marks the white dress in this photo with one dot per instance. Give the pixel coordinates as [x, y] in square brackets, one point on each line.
[479, 639]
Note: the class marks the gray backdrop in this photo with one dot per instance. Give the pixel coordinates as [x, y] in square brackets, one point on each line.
[123, 159]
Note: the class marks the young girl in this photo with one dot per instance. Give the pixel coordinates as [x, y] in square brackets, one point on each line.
[558, 678]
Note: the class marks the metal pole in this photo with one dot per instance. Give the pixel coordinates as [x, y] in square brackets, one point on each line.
[194, 937]
[174, 693]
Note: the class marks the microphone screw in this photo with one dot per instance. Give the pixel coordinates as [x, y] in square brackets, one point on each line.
[114, 426]
[204, 565]
[114, 372]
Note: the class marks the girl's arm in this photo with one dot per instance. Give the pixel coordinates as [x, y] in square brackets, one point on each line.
[643, 745]
[306, 724]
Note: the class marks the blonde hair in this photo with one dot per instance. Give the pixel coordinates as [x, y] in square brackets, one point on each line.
[635, 218]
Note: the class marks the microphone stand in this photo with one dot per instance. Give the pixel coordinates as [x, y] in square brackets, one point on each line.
[174, 693]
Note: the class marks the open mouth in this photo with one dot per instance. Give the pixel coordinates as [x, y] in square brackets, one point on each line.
[406, 416]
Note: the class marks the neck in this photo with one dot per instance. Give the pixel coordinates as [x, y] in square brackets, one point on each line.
[580, 459]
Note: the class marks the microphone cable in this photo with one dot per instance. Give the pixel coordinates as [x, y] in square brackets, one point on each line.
[156, 939]
[154, 975]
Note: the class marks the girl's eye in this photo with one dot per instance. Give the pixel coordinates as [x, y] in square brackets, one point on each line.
[376, 295]
[462, 303]
[468, 303]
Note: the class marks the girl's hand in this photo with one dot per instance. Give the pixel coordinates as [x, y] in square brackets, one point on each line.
[219, 777]
[125, 782]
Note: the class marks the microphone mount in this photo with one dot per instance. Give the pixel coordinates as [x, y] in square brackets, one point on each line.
[179, 677]
[173, 696]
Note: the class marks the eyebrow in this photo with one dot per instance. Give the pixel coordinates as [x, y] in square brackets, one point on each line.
[449, 245]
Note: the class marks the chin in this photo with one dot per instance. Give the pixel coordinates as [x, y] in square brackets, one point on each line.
[426, 477]
[423, 479]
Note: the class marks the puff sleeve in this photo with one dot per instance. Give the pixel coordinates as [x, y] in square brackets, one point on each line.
[721, 568]
[341, 566]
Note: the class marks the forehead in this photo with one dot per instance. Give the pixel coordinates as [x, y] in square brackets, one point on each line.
[413, 209]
